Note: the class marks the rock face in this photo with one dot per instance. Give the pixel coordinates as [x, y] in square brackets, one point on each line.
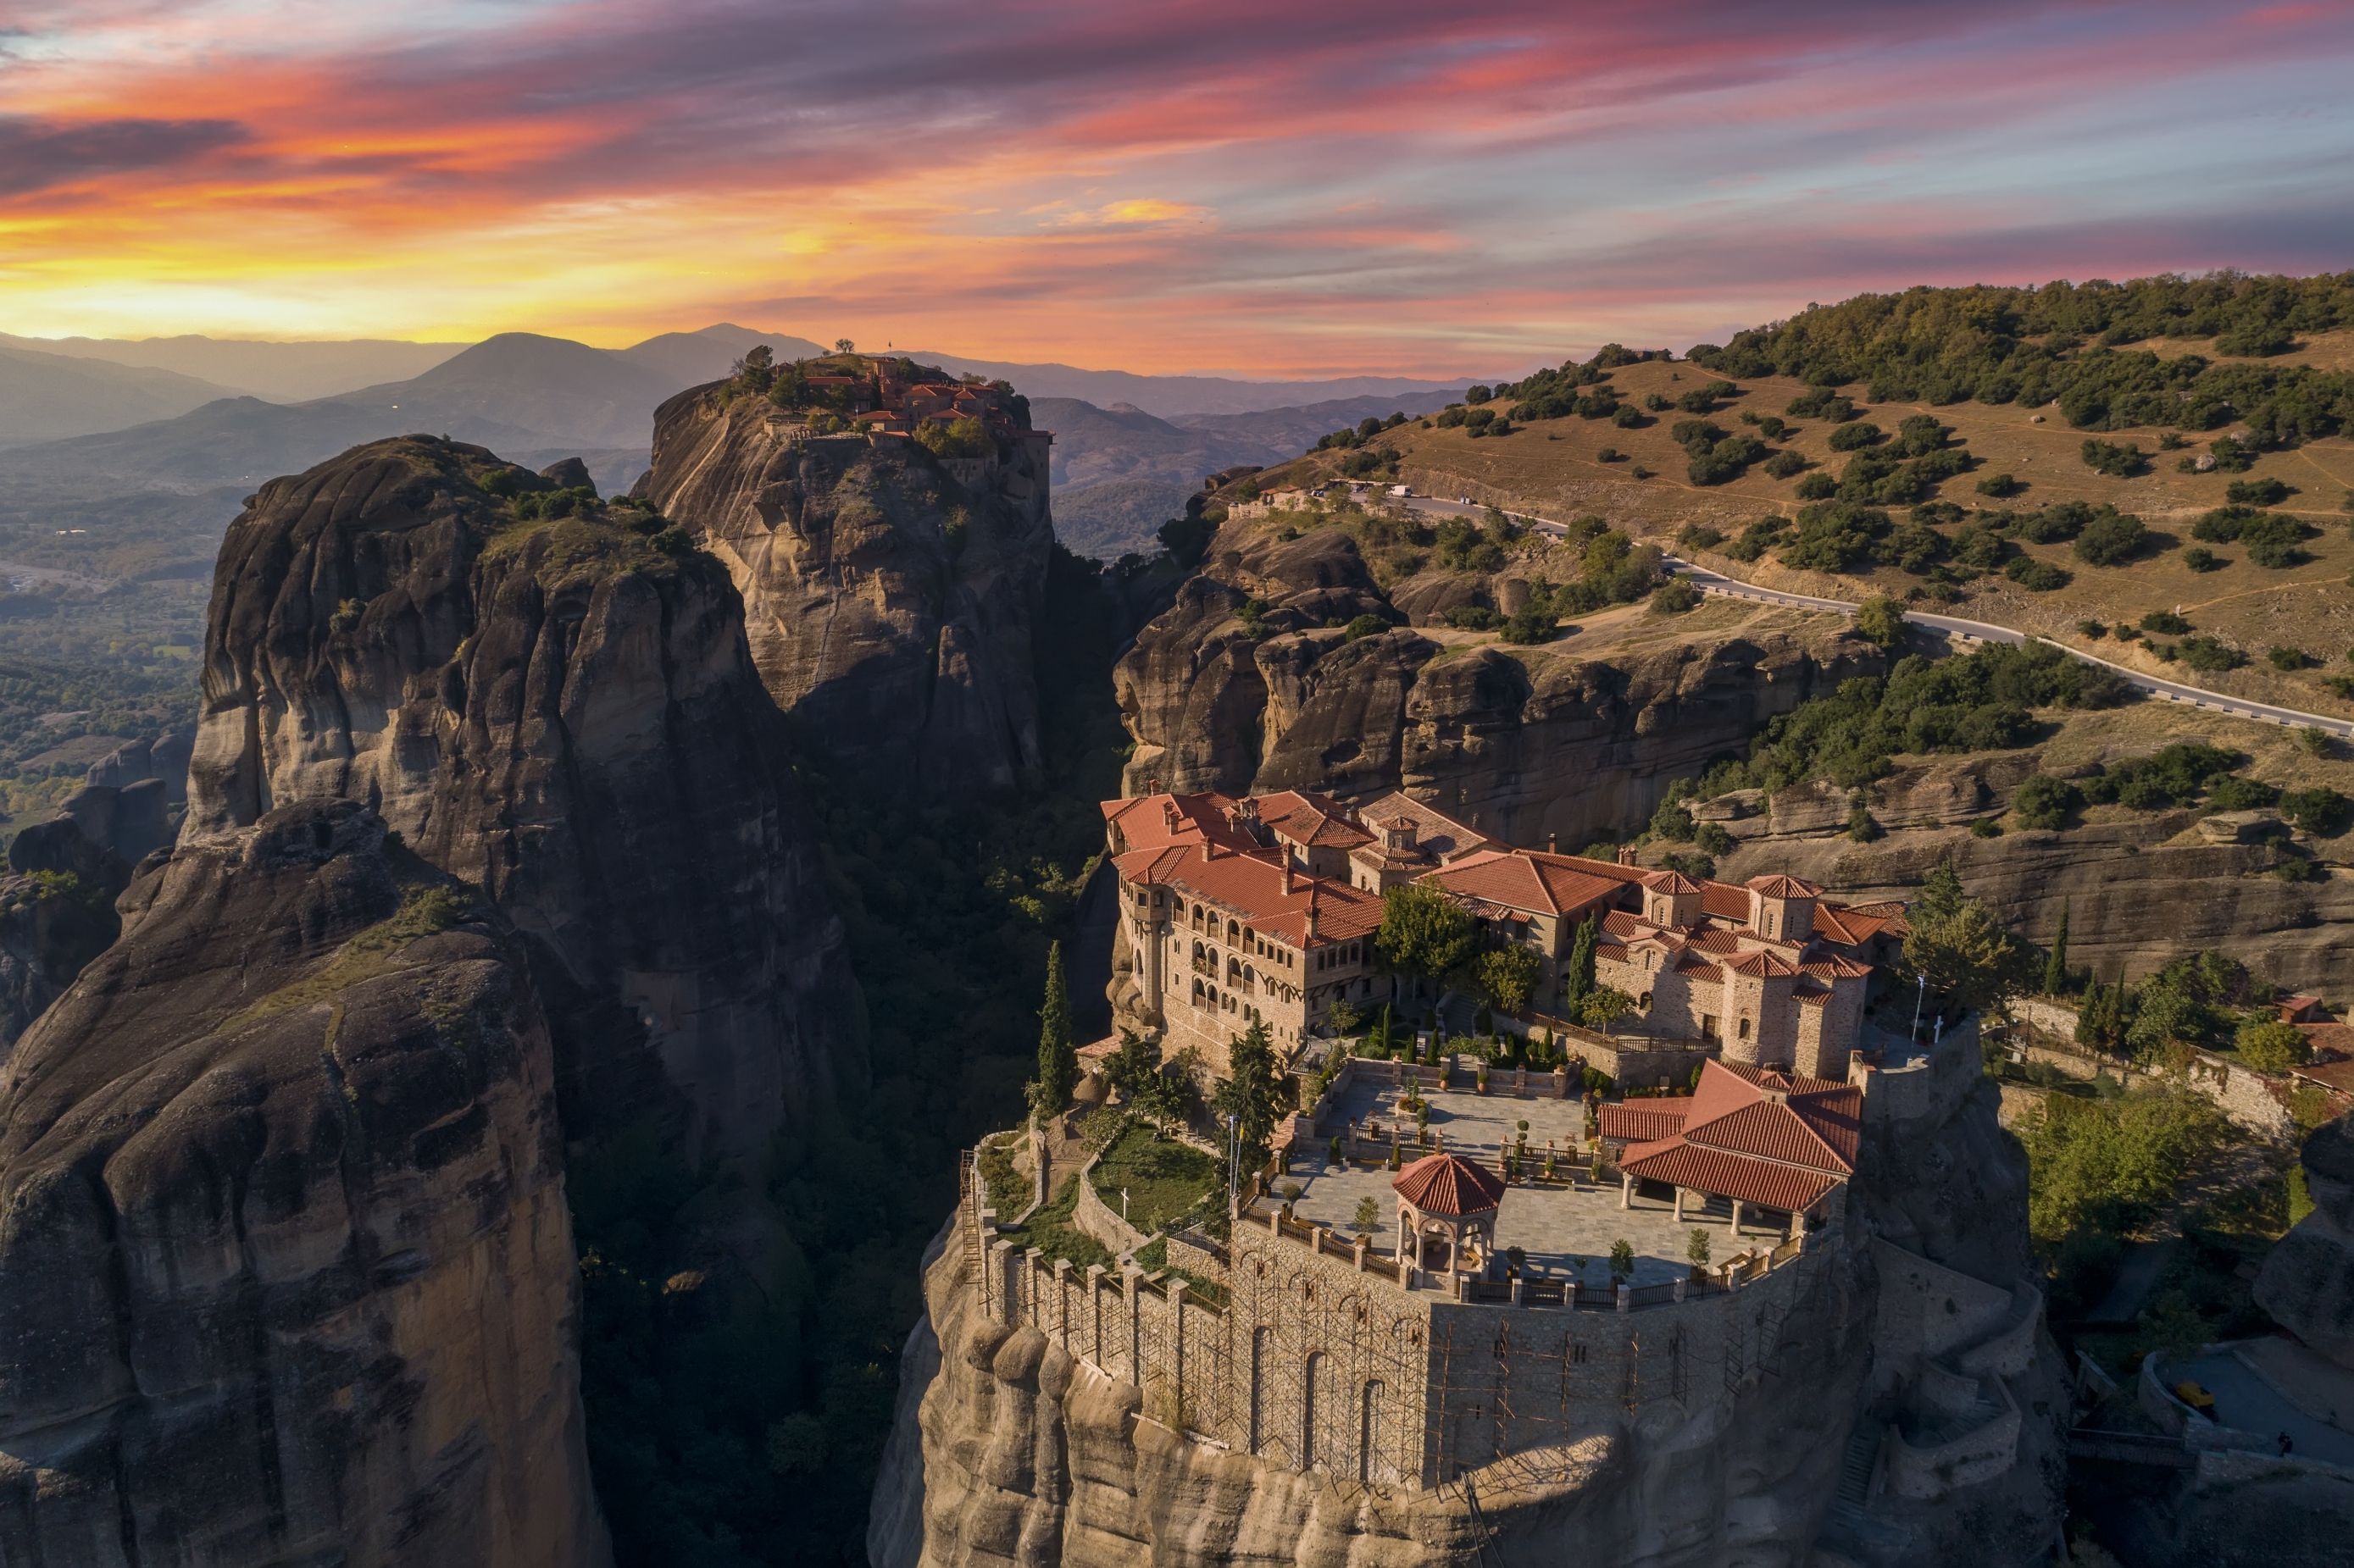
[1009, 1448]
[49, 928]
[1520, 743]
[286, 1272]
[890, 604]
[2108, 876]
[2307, 1282]
[566, 718]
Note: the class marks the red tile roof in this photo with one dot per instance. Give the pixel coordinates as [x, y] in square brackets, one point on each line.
[1758, 1134]
[1757, 1181]
[1449, 1184]
[1670, 882]
[1763, 963]
[1250, 886]
[1782, 888]
[1644, 1121]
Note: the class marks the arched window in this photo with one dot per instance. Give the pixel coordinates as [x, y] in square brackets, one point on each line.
[1197, 990]
[1234, 932]
[1311, 1394]
[1210, 994]
[1643, 1003]
[1744, 1029]
[1369, 1436]
[1257, 1386]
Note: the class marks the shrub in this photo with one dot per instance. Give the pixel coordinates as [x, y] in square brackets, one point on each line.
[1478, 419]
[2116, 462]
[1878, 619]
[1367, 625]
[1610, 454]
[2000, 485]
[2112, 540]
[2209, 656]
[1639, 472]
[2272, 540]
[1785, 465]
[2320, 810]
[1834, 536]
[2232, 455]
[1986, 828]
[2046, 802]
[2200, 558]
[1626, 417]
[2288, 657]
[1818, 487]
[1473, 618]
[2270, 1046]
[2036, 576]
[1855, 437]
[2093, 629]
[1674, 597]
[2265, 492]
[2165, 620]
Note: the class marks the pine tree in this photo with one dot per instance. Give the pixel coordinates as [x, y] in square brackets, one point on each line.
[1058, 1061]
[1252, 1092]
[2055, 963]
[1579, 981]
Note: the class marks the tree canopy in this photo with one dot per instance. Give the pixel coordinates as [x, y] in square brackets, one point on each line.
[1424, 932]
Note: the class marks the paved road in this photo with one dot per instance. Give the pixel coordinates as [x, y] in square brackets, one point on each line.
[1954, 627]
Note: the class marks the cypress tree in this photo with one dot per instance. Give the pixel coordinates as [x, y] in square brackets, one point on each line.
[1580, 979]
[1058, 1060]
[2055, 963]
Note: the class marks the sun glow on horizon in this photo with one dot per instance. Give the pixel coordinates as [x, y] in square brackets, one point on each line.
[1378, 188]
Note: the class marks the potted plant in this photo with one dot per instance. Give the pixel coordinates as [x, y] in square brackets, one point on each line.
[1696, 1251]
[1481, 1077]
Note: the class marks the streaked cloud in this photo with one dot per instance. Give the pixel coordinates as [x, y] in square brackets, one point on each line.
[1309, 186]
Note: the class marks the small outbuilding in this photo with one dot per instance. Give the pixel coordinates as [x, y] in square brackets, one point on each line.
[1447, 1213]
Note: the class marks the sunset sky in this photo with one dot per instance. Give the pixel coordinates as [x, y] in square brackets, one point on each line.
[1279, 187]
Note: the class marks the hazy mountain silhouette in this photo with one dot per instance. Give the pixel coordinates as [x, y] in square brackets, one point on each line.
[277, 371]
[45, 396]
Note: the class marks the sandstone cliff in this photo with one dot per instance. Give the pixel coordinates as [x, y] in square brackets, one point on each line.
[1250, 680]
[2111, 876]
[286, 1273]
[890, 605]
[564, 714]
[1008, 1449]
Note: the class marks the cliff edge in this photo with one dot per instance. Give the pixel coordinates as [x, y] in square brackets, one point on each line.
[551, 699]
[286, 1270]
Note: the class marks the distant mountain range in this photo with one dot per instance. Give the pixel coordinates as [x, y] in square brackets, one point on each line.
[1120, 473]
[82, 421]
[278, 372]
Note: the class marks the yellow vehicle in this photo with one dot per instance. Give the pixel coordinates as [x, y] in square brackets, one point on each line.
[2196, 1397]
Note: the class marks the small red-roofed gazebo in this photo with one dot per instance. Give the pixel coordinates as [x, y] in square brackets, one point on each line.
[1444, 1202]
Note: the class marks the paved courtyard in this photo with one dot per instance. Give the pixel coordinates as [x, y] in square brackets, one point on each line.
[1566, 1232]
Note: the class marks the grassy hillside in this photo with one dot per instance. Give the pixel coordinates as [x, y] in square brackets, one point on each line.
[1842, 496]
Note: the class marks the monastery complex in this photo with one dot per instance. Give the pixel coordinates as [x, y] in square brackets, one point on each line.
[1264, 910]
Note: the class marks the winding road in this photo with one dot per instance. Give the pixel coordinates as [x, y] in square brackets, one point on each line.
[1953, 627]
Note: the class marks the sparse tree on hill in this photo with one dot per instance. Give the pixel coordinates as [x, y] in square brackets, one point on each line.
[1879, 620]
[2055, 962]
[1058, 1061]
[844, 345]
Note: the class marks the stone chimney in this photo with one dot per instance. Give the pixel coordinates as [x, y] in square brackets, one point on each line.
[1626, 855]
[1553, 843]
[1287, 874]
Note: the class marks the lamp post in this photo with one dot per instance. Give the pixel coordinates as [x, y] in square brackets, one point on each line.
[1914, 1034]
[1123, 1205]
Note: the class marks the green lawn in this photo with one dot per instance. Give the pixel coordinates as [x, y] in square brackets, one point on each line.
[1165, 1179]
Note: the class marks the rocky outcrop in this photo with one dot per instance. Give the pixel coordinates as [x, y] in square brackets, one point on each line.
[889, 603]
[567, 716]
[1009, 1448]
[50, 926]
[2111, 876]
[1252, 681]
[2308, 1281]
[286, 1272]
